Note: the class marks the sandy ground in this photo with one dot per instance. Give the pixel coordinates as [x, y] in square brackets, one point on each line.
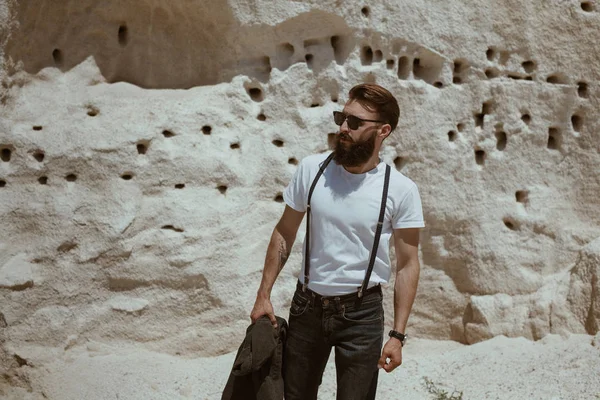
[501, 368]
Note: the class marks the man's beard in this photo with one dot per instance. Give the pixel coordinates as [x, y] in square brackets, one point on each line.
[353, 154]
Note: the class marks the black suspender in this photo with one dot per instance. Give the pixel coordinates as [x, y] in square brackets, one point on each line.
[386, 184]
[308, 212]
[365, 283]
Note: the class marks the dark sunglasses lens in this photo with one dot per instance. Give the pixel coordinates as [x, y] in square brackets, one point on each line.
[353, 122]
[338, 118]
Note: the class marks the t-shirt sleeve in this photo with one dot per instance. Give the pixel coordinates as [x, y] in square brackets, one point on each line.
[410, 212]
[296, 191]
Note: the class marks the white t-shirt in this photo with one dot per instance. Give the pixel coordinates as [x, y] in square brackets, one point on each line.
[345, 209]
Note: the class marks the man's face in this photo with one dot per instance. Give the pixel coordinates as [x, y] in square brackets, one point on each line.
[354, 147]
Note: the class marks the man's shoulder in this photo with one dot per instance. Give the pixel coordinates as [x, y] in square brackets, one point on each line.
[315, 159]
[400, 181]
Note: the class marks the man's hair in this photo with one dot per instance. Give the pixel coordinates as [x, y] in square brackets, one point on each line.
[377, 99]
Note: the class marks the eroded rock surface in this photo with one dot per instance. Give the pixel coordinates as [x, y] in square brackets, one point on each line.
[136, 215]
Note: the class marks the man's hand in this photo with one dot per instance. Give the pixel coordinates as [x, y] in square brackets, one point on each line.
[393, 351]
[263, 306]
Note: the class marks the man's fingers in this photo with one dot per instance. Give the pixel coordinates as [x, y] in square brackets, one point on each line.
[392, 365]
[381, 362]
[273, 320]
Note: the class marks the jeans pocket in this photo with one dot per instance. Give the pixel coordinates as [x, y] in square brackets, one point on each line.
[367, 314]
[299, 305]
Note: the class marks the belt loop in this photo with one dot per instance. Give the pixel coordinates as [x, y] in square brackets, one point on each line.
[360, 292]
[304, 286]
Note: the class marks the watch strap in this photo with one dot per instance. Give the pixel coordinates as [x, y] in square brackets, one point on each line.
[400, 336]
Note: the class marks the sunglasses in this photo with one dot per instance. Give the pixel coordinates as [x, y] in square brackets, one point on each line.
[353, 122]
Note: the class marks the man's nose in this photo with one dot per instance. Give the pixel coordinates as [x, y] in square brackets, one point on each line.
[344, 126]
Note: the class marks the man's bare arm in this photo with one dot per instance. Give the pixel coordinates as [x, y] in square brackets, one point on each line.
[279, 249]
[406, 243]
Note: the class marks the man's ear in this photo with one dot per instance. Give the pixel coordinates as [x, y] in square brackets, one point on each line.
[386, 130]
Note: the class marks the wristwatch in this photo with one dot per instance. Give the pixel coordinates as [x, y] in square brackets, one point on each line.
[400, 336]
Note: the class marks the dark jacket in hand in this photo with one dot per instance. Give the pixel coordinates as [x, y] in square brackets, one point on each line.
[257, 369]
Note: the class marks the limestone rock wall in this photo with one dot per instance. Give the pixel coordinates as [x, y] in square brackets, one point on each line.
[135, 211]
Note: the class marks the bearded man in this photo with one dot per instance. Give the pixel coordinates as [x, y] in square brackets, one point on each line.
[355, 203]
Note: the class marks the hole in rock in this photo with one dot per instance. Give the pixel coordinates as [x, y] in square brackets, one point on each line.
[587, 6]
[457, 80]
[171, 228]
[377, 56]
[37, 128]
[235, 145]
[206, 130]
[366, 55]
[313, 105]
[528, 66]
[510, 224]
[491, 54]
[515, 77]
[334, 98]
[557, 79]
[142, 148]
[123, 35]
[492, 73]
[222, 189]
[43, 180]
[528, 78]
[309, 60]
[58, 57]
[479, 157]
[365, 11]
[71, 178]
[127, 176]
[256, 94]
[286, 49]
[486, 108]
[39, 156]
[522, 196]
[92, 111]
[278, 143]
[2, 183]
[582, 89]
[526, 118]
[180, 186]
[452, 136]
[261, 117]
[390, 64]
[279, 198]
[400, 163]
[479, 120]
[66, 246]
[501, 140]
[403, 67]
[458, 66]
[5, 155]
[428, 69]
[460, 127]
[167, 133]
[20, 360]
[577, 122]
[554, 138]
[341, 46]
[438, 84]
[293, 161]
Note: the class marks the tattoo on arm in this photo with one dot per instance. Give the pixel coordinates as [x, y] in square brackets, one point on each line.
[283, 255]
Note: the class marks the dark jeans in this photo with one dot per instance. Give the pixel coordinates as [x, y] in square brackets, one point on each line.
[355, 329]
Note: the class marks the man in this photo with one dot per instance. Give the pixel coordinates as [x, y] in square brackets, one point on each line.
[338, 300]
